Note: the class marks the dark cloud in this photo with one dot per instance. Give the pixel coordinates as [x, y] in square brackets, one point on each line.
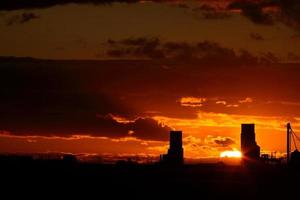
[254, 11]
[38, 4]
[269, 57]
[154, 48]
[205, 11]
[22, 18]
[290, 12]
[259, 11]
[44, 97]
[9, 5]
[256, 36]
[269, 11]
[149, 129]
[137, 47]
[224, 141]
[219, 142]
[264, 12]
[293, 57]
[37, 99]
[87, 124]
[210, 12]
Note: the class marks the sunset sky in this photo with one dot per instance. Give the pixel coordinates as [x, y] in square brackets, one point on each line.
[113, 77]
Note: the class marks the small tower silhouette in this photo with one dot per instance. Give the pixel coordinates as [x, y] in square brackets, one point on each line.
[175, 151]
[249, 148]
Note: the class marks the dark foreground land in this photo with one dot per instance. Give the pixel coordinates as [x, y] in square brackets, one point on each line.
[59, 179]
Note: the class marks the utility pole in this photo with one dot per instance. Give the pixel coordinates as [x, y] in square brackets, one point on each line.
[288, 142]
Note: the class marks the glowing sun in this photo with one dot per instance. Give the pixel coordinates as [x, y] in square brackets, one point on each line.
[231, 154]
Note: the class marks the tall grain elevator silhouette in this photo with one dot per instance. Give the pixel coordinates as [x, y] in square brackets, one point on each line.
[175, 151]
[249, 148]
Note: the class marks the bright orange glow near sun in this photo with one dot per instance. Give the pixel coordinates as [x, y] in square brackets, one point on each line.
[231, 154]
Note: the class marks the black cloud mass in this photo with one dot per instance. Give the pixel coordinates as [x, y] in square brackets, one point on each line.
[287, 10]
[65, 98]
[39, 4]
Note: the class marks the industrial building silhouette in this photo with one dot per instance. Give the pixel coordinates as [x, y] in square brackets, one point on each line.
[175, 151]
[249, 148]
[292, 158]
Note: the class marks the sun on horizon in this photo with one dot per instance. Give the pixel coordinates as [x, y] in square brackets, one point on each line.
[231, 154]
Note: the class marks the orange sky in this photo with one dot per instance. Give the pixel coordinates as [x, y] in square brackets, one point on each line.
[203, 67]
[81, 31]
[199, 138]
[91, 109]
